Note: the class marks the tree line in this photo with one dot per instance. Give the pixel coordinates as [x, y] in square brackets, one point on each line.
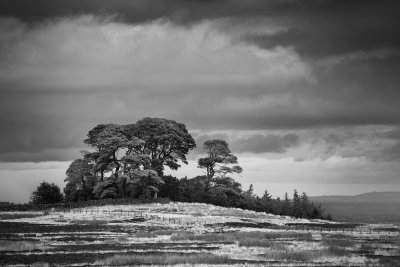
[128, 161]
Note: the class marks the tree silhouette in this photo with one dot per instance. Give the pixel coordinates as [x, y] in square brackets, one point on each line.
[46, 193]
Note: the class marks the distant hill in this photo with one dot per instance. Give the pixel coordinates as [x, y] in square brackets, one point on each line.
[368, 207]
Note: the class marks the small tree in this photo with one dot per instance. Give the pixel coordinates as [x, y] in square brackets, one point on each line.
[305, 206]
[46, 193]
[286, 205]
[219, 160]
[296, 208]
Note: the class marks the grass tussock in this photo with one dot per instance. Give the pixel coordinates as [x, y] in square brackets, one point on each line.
[255, 242]
[339, 251]
[89, 222]
[209, 237]
[20, 246]
[295, 256]
[164, 259]
[171, 232]
[245, 237]
[13, 216]
[143, 234]
[339, 242]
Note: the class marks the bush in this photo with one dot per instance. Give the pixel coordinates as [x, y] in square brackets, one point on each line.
[47, 193]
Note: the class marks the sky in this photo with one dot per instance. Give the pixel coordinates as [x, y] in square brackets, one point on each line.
[306, 93]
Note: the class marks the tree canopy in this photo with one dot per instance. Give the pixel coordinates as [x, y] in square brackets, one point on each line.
[133, 154]
[219, 159]
[166, 142]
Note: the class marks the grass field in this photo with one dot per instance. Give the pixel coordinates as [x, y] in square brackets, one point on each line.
[192, 234]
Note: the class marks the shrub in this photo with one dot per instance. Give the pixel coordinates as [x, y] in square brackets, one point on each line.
[47, 193]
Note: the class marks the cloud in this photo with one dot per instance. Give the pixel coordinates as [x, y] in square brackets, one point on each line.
[62, 76]
[59, 78]
[266, 144]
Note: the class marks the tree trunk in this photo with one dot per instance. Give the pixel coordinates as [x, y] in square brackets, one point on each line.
[124, 187]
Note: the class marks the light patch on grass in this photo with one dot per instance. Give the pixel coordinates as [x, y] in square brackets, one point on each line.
[165, 259]
[20, 246]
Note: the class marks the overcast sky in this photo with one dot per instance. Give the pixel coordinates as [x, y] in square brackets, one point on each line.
[305, 92]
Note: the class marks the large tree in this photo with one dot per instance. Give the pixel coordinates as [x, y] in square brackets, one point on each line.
[108, 139]
[167, 142]
[80, 180]
[219, 160]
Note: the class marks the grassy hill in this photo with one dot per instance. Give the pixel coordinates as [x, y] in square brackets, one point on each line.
[368, 207]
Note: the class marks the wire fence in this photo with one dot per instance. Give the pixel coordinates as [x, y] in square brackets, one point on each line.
[190, 220]
[93, 207]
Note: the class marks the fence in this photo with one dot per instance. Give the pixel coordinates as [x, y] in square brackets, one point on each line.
[193, 221]
[87, 207]
[81, 204]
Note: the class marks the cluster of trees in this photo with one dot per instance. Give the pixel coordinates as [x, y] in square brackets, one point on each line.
[226, 192]
[128, 161]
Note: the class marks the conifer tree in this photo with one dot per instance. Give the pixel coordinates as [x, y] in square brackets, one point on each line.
[296, 207]
[286, 205]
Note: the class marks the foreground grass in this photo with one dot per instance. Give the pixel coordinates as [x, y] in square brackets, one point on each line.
[13, 216]
[164, 259]
[255, 242]
[243, 237]
[296, 256]
[89, 222]
[19, 246]
[339, 242]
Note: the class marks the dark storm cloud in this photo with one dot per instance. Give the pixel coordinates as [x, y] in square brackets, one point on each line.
[391, 134]
[213, 65]
[330, 28]
[266, 144]
[253, 143]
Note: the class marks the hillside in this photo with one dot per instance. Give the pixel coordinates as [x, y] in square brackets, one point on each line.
[367, 207]
[187, 233]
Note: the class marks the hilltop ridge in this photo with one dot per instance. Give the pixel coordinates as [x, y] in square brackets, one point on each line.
[366, 207]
